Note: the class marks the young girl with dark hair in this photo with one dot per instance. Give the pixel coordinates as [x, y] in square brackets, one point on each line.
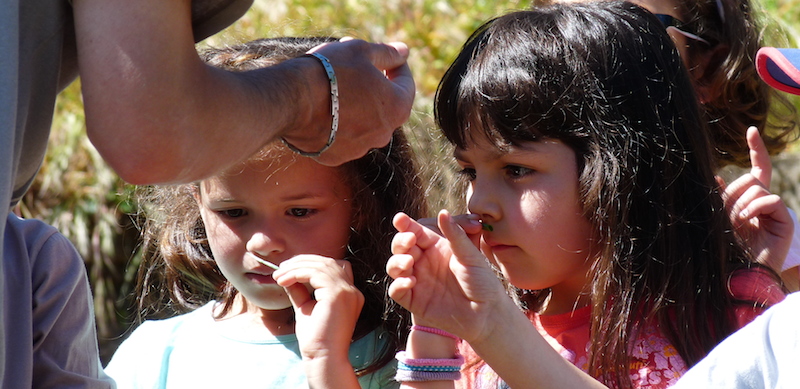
[718, 41]
[279, 262]
[591, 172]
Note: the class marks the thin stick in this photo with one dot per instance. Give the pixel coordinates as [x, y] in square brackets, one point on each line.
[268, 264]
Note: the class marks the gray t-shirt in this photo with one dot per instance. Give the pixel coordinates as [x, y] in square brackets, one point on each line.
[49, 319]
[38, 59]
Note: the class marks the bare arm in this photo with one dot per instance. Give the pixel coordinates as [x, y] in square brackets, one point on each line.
[446, 283]
[158, 114]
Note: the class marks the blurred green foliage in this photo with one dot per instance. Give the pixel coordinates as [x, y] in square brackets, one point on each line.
[79, 194]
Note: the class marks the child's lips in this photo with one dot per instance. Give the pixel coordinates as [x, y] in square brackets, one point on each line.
[260, 278]
[495, 245]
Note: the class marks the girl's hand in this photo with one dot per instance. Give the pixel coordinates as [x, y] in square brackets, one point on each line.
[446, 282]
[470, 223]
[761, 218]
[326, 320]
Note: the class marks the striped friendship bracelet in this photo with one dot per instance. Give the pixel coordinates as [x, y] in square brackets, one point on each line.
[422, 369]
[418, 376]
[403, 366]
[435, 331]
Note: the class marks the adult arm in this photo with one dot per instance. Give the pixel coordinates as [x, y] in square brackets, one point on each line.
[158, 114]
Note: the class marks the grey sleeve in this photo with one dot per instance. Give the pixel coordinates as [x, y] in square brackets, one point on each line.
[65, 353]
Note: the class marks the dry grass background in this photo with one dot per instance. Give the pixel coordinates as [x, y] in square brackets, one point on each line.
[79, 194]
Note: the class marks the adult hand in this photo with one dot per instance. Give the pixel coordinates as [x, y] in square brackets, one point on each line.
[761, 218]
[446, 282]
[376, 92]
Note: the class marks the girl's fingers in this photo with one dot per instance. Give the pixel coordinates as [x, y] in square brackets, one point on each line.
[400, 290]
[430, 223]
[400, 265]
[461, 244]
[425, 238]
[772, 207]
[315, 270]
[737, 188]
[470, 223]
[402, 242]
[299, 296]
[759, 157]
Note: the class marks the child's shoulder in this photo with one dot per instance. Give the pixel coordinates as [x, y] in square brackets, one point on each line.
[158, 332]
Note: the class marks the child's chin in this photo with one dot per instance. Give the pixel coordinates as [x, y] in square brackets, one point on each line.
[274, 302]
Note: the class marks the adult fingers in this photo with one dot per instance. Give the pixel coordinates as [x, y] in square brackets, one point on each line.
[759, 157]
[387, 56]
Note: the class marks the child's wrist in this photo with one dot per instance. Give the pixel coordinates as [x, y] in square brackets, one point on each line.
[423, 343]
[431, 355]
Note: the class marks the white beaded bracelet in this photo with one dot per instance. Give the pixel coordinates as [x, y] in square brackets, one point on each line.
[326, 63]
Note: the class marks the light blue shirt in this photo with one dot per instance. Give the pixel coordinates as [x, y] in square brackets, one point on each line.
[192, 351]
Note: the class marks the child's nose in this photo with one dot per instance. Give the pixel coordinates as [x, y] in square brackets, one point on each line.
[481, 201]
[265, 243]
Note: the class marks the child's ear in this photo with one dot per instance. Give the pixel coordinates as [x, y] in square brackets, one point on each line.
[708, 74]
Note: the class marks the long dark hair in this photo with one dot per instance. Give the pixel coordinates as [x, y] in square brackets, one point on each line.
[739, 97]
[605, 79]
[178, 272]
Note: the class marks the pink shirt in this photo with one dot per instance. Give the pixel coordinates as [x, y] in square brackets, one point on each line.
[655, 361]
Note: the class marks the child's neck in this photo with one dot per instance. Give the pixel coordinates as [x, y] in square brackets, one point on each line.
[250, 318]
[558, 304]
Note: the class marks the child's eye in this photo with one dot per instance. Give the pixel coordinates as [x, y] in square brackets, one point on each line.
[233, 213]
[514, 171]
[300, 212]
[467, 173]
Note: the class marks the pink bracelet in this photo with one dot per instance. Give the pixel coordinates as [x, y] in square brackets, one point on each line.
[456, 361]
[422, 369]
[435, 331]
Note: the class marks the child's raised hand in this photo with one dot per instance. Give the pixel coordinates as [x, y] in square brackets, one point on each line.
[446, 282]
[760, 217]
[326, 320]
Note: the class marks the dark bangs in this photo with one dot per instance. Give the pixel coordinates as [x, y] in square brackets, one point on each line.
[513, 82]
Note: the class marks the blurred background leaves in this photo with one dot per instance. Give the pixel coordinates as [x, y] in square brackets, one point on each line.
[79, 194]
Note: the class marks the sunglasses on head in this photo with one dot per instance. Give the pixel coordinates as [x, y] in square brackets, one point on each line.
[682, 28]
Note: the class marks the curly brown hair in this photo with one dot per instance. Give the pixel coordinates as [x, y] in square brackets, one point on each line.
[178, 272]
